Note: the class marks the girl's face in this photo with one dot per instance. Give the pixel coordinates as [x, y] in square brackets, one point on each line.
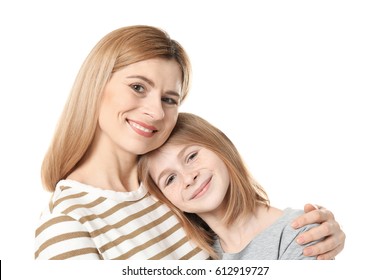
[140, 106]
[192, 177]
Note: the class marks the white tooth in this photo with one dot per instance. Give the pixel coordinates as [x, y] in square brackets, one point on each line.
[141, 127]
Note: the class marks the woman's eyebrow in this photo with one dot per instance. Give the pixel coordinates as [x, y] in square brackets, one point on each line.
[151, 83]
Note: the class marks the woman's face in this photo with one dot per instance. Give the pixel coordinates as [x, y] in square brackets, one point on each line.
[140, 106]
[192, 177]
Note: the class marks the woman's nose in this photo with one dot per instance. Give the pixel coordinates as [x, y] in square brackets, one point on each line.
[153, 108]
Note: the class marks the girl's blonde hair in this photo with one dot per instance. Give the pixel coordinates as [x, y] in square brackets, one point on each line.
[244, 193]
[78, 122]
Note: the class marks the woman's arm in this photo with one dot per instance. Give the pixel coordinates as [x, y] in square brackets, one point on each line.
[329, 229]
[60, 237]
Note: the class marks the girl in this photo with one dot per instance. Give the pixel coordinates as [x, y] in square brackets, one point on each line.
[199, 171]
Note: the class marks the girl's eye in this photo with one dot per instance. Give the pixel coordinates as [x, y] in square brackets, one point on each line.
[138, 88]
[192, 156]
[170, 179]
[170, 101]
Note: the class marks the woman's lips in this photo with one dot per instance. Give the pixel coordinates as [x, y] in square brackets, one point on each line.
[202, 189]
[142, 128]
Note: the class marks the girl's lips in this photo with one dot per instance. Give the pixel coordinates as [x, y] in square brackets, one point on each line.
[202, 189]
[142, 128]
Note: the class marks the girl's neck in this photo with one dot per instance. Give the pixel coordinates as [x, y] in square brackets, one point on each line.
[235, 237]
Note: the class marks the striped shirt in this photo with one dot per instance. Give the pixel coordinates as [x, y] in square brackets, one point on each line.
[84, 222]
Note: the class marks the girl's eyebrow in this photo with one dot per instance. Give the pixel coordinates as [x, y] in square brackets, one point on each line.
[151, 83]
[167, 170]
[162, 174]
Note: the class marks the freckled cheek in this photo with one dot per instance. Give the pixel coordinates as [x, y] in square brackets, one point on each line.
[175, 198]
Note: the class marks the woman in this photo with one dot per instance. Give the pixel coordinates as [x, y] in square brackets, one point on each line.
[124, 103]
[199, 171]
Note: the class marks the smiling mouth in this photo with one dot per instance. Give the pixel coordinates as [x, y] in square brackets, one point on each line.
[202, 189]
[142, 129]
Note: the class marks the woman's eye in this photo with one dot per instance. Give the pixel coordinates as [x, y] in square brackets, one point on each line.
[138, 88]
[170, 179]
[170, 101]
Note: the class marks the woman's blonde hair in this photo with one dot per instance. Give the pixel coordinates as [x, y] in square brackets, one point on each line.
[244, 193]
[77, 125]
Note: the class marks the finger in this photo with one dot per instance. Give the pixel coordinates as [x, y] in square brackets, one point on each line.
[316, 233]
[310, 207]
[331, 255]
[312, 217]
[326, 246]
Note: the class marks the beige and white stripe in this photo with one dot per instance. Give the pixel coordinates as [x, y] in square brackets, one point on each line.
[83, 222]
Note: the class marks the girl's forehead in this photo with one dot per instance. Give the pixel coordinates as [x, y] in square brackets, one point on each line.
[170, 147]
[172, 150]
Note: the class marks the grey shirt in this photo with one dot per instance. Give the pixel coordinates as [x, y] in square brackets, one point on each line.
[277, 242]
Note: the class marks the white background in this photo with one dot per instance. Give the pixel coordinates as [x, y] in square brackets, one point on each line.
[301, 87]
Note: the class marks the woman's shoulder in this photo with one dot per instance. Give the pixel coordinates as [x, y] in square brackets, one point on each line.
[69, 193]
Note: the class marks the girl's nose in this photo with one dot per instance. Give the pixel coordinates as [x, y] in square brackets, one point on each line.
[190, 178]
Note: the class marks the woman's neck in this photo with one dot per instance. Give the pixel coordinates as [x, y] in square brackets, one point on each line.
[107, 168]
[235, 237]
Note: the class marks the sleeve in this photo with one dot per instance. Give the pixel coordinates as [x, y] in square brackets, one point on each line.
[61, 237]
[290, 249]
